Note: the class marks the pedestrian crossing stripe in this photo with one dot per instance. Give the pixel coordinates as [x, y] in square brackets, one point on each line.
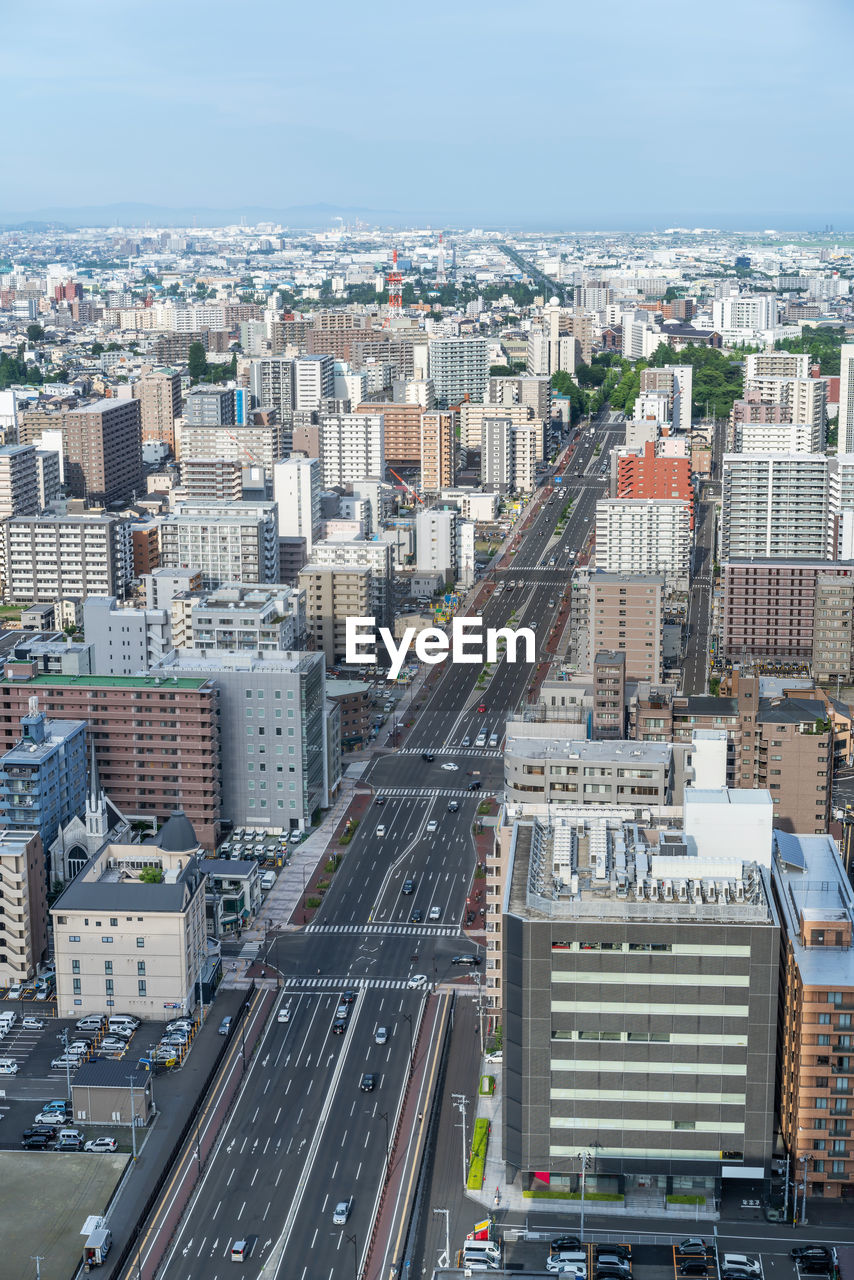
[475, 754]
[425, 793]
[420, 931]
[335, 985]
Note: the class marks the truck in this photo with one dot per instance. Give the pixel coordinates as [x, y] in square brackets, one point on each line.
[97, 1247]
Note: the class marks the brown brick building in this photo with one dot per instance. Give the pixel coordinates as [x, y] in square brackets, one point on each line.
[402, 429]
[768, 607]
[103, 452]
[156, 739]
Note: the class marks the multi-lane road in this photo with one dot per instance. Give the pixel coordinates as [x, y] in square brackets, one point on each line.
[303, 1134]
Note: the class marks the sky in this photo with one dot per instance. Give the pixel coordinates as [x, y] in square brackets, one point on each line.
[560, 113]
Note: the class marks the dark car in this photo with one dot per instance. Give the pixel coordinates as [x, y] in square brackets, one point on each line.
[815, 1252]
[467, 959]
[368, 1082]
[408, 886]
[428, 756]
[348, 997]
[693, 1246]
[609, 1273]
[616, 1250]
[41, 1131]
[380, 800]
[474, 786]
[36, 1142]
[736, 1273]
[815, 1266]
[417, 916]
[339, 1026]
[69, 1144]
[470, 917]
[693, 1267]
[564, 1242]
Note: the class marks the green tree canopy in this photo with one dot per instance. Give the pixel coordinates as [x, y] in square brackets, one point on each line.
[35, 332]
[823, 346]
[197, 361]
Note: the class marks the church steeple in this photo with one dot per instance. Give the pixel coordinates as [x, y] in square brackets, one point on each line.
[96, 802]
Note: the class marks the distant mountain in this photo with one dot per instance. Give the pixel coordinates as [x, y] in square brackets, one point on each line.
[132, 214]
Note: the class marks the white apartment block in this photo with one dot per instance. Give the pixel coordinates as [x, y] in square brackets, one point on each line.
[842, 504]
[776, 505]
[472, 416]
[458, 367]
[776, 364]
[238, 619]
[19, 481]
[677, 382]
[375, 555]
[436, 541]
[47, 558]
[777, 437]
[314, 380]
[846, 398]
[271, 381]
[747, 313]
[224, 541]
[640, 535]
[260, 446]
[125, 641]
[509, 453]
[352, 447]
[804, 400]
[296, 490]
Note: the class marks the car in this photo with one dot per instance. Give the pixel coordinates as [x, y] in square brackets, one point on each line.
[408, 887]
[449, 766]
[341, 1212]
[339, 1026]
[32, 1024]
[92, 1022]
[379, 800]
[417, 980]
[466, 742]
[69, 1144]
[57, 1107]
[37, 1142]
[435, 913]
[692, 1245]
[285, 1012]
[14, 992]
[693, 1267]
[608, 1250]
[482, 708]
[225, 1026]
[428, 756]
[342, 1011]
[432, 826]
[45, 1130]
[417, 916]
[740, 1262]
[240, 1251]
[453, 806]
[348, 997]
[112, 1043]
[182, 1024]
[557, 1267]
[368, 1082]
[564, 1242]
[468, 959]
[497, 1056]
[63, 1061]
[381, 1035]
[380, 831]
[813, 1251]
[102, 1146]
[475, 786]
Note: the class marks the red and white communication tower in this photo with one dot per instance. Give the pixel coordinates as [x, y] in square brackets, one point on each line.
[394, 280]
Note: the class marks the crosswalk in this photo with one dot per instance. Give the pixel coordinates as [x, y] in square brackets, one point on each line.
[334, 986]
[425, 793]
[479, 753]
[419, 931]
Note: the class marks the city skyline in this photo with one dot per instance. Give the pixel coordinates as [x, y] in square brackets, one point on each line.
[647, 118]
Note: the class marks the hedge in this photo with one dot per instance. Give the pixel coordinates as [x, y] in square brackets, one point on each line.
[477, 1164]
[571, 1195]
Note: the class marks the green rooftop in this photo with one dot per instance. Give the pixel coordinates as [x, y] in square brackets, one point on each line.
[113, 682]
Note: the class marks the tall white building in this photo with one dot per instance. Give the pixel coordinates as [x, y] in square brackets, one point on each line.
[376, 555]
[125, 641]
[296, 490]
[508, 453]
[846, 398]
[436, 537]
[750, 313]
[776, 505]
[224, 541]
[352, 446]
[271, 380]
[47, 558]
[644, 535]
[802, 400]
[458, 367]
[776, 364]
[19, 481]
[314, 380]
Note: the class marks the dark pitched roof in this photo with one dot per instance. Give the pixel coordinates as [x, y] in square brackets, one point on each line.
[790, 710]
[176, 835]
[107, 1073]
[705, 705]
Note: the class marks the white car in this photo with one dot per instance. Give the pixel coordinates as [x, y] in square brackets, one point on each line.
[14, 992]
[342, 1211]
[435, 913]
[8, 1067]
[381, 829]
[417, 980]
[432, 826]
[32, 1024]
[498, 1056]
[113, 1044]
[450, 767]
[181, 1024]
[101, 1145]
[578, 1269]
[285, 1012]
[741, 1262]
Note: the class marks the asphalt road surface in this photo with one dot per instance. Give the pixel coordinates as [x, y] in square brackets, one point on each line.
[303, 1134]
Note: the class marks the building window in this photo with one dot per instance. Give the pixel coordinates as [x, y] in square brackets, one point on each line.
[140, 942]
[108, 966]
[75, 984]
[141, 987]
[75, 966]
[140, 967]
[105, 939]
[74, 937]
[109, 986]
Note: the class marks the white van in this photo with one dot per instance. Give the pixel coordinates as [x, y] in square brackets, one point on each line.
[121, 1025]
[8, 1067]
[488, 1251]
[493, 739]
[268, 879]
[480, 740]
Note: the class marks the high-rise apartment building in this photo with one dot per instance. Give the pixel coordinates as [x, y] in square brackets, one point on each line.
[846, 398]
[314, 381]
[776, 364]
[159, 395]
[48, 558]
[256, 444]
[534, 391]
[212, 479]
[472, 418]
[225, 541]
[125, 641]
[43, 777]
[210, 407]
[238, 619]
[296, 490]
[103, 452]
[438, 448]
[352, 447]
[147, 769]
[769, 607]
[376, 555]
[776, 505]
[23, 912]
[272, 383]
[334, 593]
[402, 426]
[458, 367]
[676, 381]
[509, 453]
[645, 475]
[19, 481]
[833, 629]
[609, 695]
[639, 536]
[626, 615]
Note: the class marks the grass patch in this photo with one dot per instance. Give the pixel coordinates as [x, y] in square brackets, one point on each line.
[332, 864]
[312, 903]
[477, 1163]
[322, 886]
[484, 807]
[487, 1086]
[686, 1199]
[537, 1194]
[350, 832]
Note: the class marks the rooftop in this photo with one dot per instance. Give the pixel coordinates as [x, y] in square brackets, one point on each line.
[110, 682]
[648, 753]
[811, 881]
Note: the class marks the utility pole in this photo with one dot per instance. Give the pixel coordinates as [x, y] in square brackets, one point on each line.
[805, 1160]
[38, 1259]
[445, 1258]
[786, 1190]
[460, 1101]
[352, 1240]
[583, 1156]
[63, 1036]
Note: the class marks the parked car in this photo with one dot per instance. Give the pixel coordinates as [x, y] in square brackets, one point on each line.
[101, 1145]
[32, 1024]
[813, 1251]
[69, 1144]
[470, 960]
[225, 1026]
[564, 1242]
[692, 1245]
[41, 1130]
[37, 1142]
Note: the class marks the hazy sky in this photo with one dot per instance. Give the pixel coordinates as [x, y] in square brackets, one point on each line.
[566, 112]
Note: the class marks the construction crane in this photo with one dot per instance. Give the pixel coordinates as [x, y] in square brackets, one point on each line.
[406, 486]
[394, 280]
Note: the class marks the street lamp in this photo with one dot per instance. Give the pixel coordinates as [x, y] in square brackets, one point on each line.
[383, 1115]
[132, 1119]
[583, 1156]
[805, 1159]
